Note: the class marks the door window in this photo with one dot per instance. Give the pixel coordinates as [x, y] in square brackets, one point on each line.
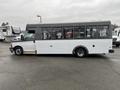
[28, 37]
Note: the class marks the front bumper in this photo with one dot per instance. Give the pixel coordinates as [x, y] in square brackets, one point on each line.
[11, 49]
[111, 51]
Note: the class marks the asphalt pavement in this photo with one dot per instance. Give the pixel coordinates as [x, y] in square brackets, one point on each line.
[58, 72]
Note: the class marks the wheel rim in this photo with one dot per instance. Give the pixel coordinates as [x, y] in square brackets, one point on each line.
[18, 51]
[80, 52]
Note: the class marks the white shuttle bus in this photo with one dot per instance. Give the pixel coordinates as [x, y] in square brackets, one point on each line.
[79, 39]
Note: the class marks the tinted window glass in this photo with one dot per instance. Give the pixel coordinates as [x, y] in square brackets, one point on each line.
[79, 32]
[97, 32]
[103, 32]
[68, 32]
[31, 31]
[46, 34]
[28, 37]
[58, 33]
[52, 33]
[38, 34]
[91, 32]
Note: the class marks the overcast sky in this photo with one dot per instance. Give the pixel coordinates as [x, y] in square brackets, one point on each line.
[22, 12]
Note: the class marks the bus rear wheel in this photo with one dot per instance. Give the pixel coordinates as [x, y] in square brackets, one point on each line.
[117, 45]
[80, 52]
[18, 51]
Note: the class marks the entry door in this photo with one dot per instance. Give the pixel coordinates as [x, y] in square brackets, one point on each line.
[29, 47]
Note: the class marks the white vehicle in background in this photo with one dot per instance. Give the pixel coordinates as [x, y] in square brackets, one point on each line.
[9, 33]
[1, 36]
[20, 36]
[79, 39]
[17, 38]
[116, 37]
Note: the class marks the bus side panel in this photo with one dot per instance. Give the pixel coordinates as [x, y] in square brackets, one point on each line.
[102, 46]
[51, 47]
[94, 46]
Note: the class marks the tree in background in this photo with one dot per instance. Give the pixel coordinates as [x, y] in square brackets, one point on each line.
[4, 24]
[114, 26]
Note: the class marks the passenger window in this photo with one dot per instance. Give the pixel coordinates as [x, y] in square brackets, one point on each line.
[82, 32]
[79, 32]
[52, 33]
[46, 35]
[103, 32]
[59, 34]
[88, 32]
[92, 32]
[56, 33]
[68, 33]
[76, 33]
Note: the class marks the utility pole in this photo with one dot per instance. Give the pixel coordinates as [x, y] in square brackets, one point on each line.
[40, 18]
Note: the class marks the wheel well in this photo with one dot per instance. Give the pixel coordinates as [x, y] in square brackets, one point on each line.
[86, 50]
[17, 47]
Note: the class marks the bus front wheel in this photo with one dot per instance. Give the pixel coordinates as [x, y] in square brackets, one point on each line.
[80, 52]
[18, 51]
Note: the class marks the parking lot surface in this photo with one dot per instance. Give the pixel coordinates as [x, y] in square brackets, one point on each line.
[58, 72]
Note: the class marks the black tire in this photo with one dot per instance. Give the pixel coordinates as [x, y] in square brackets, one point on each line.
[74, 54]
[18, 51]
[80, 52]
[117, 45]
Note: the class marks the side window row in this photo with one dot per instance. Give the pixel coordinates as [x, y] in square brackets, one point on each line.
[73, 32]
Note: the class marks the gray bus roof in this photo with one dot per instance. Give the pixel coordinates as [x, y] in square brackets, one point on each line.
[68, 24]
